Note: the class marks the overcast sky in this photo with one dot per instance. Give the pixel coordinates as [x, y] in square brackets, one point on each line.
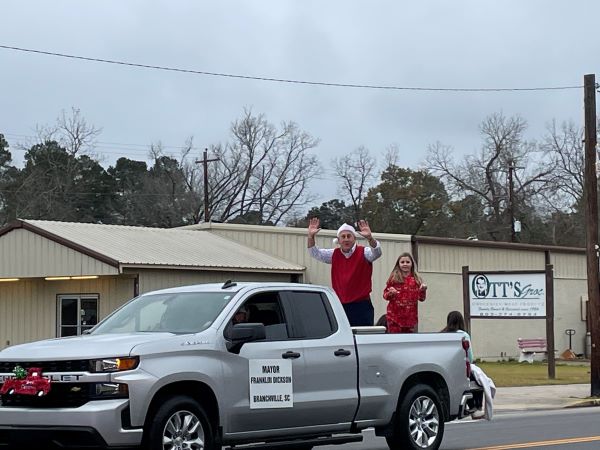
[433, 44]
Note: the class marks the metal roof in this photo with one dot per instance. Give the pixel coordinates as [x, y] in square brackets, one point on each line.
[141, 246]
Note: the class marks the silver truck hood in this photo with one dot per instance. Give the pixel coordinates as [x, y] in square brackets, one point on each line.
[80, 347]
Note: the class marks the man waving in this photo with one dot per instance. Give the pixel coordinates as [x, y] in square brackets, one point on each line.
[351, 268]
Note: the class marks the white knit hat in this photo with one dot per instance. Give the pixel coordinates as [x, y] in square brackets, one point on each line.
[346, 227]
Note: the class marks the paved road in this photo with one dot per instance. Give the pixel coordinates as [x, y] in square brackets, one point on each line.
[572, 429]
[553, 430]
[541, 417]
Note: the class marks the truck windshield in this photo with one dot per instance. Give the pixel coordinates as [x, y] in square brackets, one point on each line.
[185, 312]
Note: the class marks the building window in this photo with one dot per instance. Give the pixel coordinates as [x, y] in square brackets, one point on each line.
[76, 313]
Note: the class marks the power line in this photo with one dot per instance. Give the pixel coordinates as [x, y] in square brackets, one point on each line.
[282, 80]
[138, 153]
[178, 147]
[114, 148]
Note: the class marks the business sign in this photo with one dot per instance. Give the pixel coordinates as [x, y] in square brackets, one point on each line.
[271, 383]
[507, 294]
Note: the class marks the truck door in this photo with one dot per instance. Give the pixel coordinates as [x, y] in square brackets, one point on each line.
[258, 399]
[329, 393]
[302, 339]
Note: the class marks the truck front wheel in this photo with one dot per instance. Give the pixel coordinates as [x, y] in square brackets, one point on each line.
[419, 422]
[180, 423]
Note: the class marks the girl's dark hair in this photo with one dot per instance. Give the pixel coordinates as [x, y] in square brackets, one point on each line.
[454, 322]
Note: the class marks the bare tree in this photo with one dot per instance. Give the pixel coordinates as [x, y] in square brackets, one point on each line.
[72, 132]
[486, 173]
[355, 172]
[392, 156]
[564, 145]
[55, 167]
[563, 203]
[263, 173]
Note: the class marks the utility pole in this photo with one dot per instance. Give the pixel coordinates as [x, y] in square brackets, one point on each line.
[511, 210]
[205, 162]
[591, 227]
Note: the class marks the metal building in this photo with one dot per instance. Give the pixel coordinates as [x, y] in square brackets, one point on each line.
[124, 261]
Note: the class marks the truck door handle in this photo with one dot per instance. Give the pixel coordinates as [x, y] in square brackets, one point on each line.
[289, 354]
[342, 352]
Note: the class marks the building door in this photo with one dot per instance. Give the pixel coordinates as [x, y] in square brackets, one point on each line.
[76, 313]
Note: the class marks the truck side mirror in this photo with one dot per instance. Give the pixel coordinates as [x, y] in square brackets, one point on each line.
[240, 333]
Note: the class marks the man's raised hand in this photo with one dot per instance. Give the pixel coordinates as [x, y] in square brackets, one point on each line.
[313, 227]
[364, 229]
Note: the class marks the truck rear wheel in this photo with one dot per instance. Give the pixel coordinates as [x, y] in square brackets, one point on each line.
[419, 423]
[180, 423]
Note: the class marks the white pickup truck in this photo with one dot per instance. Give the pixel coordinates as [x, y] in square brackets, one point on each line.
[171, 370]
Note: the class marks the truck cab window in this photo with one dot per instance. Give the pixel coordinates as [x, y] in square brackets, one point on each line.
[313, 315]
[266, 308]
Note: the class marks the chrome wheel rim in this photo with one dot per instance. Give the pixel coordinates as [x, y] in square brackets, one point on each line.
[183, 431]
[423, 422]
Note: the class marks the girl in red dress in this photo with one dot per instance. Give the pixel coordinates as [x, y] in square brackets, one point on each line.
[403, 290]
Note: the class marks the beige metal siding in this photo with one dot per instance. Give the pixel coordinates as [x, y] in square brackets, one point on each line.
[290, 246]
[441, 266]
[450, 259]
[26, 254]
[490, 337]
[27, 312]
[151, 280]
[28, 307]
[570, 284]
[494, 337]
[568, 313]
[444, 294]
[569, 265]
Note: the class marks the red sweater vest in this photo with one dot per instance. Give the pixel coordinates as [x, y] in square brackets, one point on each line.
[351, 277]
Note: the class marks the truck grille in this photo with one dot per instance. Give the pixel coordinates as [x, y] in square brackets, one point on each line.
[61, 395]
[78, 365]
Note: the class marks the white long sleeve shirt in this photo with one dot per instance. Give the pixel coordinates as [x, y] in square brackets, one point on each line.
[325, 254]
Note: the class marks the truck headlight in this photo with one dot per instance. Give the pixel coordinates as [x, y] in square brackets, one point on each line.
[114, 364]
